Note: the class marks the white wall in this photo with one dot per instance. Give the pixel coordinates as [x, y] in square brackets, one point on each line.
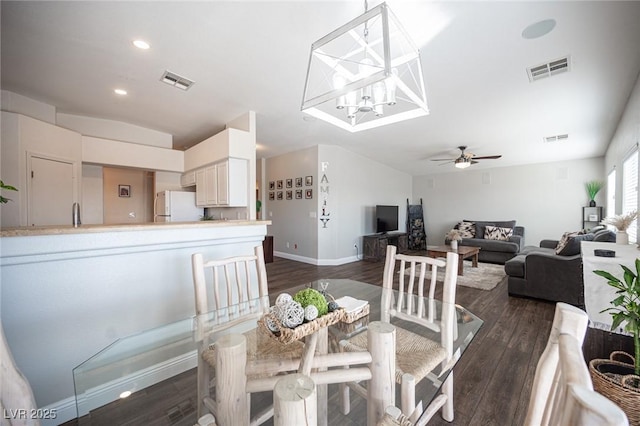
[21, 136]
[115, 130]
[624, 141]
[352, 186]
[546, 199]
[13, 102]
[92, 196]
[124, 154]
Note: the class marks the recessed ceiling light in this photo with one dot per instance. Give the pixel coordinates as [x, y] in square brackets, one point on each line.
[120, 92]
[125, 394]
[141, 44]
[539, 29]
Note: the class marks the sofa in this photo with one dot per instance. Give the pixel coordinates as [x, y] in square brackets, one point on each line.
[552, 271]
[491, 250]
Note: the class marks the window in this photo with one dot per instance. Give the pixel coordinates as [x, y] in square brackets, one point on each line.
[611, 194]
[630, 191]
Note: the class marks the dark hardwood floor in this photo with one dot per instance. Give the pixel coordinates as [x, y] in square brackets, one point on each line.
[492, 381]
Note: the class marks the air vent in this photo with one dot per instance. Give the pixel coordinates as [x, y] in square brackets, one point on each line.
[555, 138]
[547, 70]
[176, 80]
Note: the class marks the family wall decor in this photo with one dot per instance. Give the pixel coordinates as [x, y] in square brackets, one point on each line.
[324, 193]
[282, 189]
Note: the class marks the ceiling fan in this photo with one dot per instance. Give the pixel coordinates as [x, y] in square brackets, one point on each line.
[466, 158]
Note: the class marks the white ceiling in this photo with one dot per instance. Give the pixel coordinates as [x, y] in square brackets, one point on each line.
[252, 55]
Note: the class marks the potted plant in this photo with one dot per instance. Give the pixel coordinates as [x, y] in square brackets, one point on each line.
[453, 237]
[4, 200]
[593, 187]
[617, 380]
[621, 222]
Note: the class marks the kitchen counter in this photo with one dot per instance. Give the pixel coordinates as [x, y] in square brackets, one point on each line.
[26, 231]
[70, 292]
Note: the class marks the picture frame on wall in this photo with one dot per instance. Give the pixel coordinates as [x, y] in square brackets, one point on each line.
[279, 196]
[308, 181]
[299, 182]
[272, 196]
[308, 193]
[280, 184]
[124, 191]
[299, 194]
[289, 183]
[289, 195]
[272, 185]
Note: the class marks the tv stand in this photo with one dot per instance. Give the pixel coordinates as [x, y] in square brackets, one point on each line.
[375, 245]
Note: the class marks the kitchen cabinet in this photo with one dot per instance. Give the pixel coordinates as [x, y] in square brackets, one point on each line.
[188, 179]
[224, 184]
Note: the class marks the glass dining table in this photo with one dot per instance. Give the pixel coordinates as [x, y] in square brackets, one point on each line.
[124, 365]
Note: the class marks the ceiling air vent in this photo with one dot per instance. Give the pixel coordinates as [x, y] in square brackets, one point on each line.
[547, 70]
[555, 138]
[176, 80]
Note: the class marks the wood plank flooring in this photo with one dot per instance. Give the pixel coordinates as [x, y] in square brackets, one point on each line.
[492, 381]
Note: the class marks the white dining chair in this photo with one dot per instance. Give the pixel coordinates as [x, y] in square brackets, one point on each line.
[231, 292]
[16, 395]
[409, 297]
[562, 392]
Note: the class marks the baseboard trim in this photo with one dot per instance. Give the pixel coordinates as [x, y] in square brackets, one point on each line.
[317, 262]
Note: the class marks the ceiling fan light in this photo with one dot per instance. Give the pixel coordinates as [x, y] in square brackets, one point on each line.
[462, 164]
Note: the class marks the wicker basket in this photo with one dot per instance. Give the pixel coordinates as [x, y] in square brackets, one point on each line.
[608, 376]
[350, 317]
[288, 335]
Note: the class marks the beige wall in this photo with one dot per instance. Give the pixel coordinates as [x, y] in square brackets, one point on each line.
[136, 208]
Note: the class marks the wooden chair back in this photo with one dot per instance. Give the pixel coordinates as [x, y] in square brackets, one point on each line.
[239, 282]
[562, 392]
[410, 282]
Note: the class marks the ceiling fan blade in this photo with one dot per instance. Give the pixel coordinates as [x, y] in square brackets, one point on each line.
[442, 159]
[474, 162]
[488, 157]
[446, 162]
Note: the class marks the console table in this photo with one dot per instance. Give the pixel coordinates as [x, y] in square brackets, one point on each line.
[375, 245]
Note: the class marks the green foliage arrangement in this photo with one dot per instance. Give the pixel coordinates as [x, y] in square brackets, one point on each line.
[4, 200]
[310, 296]
[593, 187]
[626, 306]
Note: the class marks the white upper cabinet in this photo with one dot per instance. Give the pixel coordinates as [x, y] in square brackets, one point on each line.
[224, 184]
[188, 179]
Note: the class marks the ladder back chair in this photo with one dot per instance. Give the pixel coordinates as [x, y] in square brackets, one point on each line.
[409, 297]
[232, 292]
[562, 392]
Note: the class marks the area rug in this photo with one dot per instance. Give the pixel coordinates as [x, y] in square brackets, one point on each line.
[485, 277]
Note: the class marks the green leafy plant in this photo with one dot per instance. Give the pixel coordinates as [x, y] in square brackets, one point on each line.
[626, 305]
[4, 200]
[593, 187]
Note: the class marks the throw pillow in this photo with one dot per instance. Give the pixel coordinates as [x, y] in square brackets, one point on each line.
[605, 235]
[467, 229]
[572, 245]
[497, 233]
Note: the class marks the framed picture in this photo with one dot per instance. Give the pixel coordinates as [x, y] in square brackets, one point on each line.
[124, 191]
[593, 218]
[308, 193]
[308, 181]
[289, 183]
[298, 182]
[272, 196]
[280, 184]
[272, 185]
[289, 195]
[279, 195]
[299, 194]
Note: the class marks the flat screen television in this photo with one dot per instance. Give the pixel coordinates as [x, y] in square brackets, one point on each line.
[386, 218]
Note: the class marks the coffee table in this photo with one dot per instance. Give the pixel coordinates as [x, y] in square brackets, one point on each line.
[464, 252]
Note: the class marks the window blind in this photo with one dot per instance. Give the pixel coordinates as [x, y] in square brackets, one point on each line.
[630, 191]
[611, 194]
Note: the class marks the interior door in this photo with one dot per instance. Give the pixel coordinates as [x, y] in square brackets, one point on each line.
[51, 192]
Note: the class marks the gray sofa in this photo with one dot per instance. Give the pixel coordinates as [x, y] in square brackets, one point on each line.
[541, 273]
[494, 251]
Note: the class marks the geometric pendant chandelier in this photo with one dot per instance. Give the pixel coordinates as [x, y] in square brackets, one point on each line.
[365, 74]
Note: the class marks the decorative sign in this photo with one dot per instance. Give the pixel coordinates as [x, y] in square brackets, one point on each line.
[324, 194]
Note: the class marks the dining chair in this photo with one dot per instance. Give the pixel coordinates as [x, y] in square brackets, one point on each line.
[16, 396]
[232, 292]
[562, 392]
[409, 297]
